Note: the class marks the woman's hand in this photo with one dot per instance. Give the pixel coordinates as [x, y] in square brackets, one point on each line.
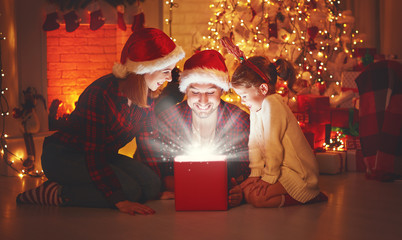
[133, 208]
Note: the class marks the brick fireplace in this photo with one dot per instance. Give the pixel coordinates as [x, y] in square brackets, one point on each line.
[76, 59]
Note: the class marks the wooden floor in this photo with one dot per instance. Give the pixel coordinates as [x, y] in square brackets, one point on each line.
[357, 209]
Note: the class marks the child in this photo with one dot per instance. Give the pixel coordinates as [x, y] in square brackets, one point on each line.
[284, 170]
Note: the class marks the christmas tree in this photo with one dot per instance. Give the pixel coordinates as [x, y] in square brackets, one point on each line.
[315, 35]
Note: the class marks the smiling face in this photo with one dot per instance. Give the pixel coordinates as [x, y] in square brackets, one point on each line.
[203, 99]
[156, 79]
[252, 97]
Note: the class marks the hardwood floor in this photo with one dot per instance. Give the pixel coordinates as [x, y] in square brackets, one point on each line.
[357, 209]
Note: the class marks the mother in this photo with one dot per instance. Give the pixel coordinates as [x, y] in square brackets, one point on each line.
[81, 161]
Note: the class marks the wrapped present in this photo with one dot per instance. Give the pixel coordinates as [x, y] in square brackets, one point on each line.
[312, 102]
[344, 99]
[316, 106]
[310, 138]
[342, 117]
[352, 142]
[318, 132]
[355, 161]
[364, 57]
[345, 121]
[348, 81]
[320, 116]
[331, 162]
[302, 117]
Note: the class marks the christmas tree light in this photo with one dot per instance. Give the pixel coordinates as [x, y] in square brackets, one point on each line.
[309, 33]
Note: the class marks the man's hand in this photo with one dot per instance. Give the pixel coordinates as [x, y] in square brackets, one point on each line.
[133, 208]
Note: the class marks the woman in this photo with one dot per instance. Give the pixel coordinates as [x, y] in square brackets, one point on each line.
[81, 161]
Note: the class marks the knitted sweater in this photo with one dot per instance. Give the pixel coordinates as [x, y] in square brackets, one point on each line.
[280, 152]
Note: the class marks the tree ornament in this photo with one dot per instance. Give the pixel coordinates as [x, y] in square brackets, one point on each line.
[120, 17]
[273, 29]
[72, 21]
[138, 22]
[51, 22]
[312, 32]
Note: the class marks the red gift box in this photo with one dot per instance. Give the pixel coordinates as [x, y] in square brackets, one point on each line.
[200, 182]
[312, 102]
[340, 117]
[317, 131]
[316, 106]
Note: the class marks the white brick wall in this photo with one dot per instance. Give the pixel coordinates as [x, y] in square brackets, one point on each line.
[189, 17]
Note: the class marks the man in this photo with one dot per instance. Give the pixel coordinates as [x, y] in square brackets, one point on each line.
[202, 120]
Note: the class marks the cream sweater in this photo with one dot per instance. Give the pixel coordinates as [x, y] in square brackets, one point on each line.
[280, 152]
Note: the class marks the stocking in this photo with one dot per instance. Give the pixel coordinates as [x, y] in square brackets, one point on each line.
[138, 22]
[97, 20]
[72, 21]
[51, 22]
[120, 18]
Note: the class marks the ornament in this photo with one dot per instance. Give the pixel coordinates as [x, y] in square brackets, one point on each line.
[72, 21]
[312, 32]
[51, 22]
[273, 30]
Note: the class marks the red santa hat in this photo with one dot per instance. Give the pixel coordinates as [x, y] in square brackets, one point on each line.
[146, 51]
[205, 67]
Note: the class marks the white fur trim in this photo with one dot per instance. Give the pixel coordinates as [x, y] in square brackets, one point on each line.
[121, 70]
[204, 75]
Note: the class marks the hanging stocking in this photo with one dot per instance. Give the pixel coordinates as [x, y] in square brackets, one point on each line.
[120, 17]
[97, 20]
[138, 22]
[72, 21]
[51, 22]
[96, 17]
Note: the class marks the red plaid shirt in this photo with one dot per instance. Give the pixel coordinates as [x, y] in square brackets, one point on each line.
[100, 125]
[175, 134]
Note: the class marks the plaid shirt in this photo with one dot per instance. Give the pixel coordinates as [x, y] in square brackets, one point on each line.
[175, 134]
[380, 121]
[100, 125]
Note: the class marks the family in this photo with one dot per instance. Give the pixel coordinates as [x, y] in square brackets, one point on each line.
[270, 163]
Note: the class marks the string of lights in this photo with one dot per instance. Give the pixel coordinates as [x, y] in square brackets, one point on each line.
[8, 156]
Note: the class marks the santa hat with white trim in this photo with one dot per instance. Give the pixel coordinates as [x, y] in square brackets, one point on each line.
[146, 51]
[205, 67]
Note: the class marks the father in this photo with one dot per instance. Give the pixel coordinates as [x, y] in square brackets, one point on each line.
[204, 120]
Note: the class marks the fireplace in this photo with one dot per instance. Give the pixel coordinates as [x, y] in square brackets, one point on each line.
[76, 59]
